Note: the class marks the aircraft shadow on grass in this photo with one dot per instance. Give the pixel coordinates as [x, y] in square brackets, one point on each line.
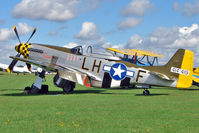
[157, 94]
[10, 90]
[188, 89]
[55, 92]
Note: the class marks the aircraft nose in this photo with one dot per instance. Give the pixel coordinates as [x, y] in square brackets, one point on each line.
[23, 49]
[17, 48]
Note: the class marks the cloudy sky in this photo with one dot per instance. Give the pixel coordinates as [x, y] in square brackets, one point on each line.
[160, 26]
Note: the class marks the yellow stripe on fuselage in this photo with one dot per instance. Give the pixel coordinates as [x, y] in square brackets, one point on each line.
[185, 81]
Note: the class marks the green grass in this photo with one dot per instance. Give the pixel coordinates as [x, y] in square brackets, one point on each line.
[95, 110]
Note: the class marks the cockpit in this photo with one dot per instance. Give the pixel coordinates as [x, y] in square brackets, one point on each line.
[94, 51]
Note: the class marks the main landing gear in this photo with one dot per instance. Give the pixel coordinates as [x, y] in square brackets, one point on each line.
[146, 92]
[66, 85]
[37, 87]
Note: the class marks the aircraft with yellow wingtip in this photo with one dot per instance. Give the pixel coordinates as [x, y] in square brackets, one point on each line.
[99, 68]
[138, 57]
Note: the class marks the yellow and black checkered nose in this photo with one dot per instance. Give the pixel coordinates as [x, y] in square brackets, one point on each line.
[23, 49]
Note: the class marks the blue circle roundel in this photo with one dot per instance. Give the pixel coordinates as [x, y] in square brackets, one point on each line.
[118, 71]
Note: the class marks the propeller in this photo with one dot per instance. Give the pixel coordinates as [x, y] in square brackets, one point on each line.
[27, 64]
[15, 30]
[12, 64]
[32, 35]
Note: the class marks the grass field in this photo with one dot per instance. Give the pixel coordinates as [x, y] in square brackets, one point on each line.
[95, 110]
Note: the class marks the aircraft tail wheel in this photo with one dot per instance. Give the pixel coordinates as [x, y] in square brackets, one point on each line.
[44, 89]
[146, 92]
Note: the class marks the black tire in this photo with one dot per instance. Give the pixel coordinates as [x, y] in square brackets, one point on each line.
[146, 92]
[68, 89]
[44, 89]
[27, 90]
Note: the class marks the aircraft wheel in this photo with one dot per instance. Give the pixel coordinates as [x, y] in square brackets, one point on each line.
[44, 89]
[146, 92]
[68, 89]
[27, 90]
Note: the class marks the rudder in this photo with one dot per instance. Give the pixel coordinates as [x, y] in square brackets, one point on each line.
[181, 67]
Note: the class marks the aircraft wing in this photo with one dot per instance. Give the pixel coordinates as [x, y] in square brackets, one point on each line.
[135, 52]
[36, 63]
[147, 53]
[125, 51]
[53, 68]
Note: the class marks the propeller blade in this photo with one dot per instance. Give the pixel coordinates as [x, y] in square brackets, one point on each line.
[32, 35]
[29, 66]
[15, 29]
[12, 64]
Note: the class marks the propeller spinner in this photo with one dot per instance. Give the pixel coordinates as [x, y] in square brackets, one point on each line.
[22, 49]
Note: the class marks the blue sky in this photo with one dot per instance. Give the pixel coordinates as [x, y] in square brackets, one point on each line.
[155, 25]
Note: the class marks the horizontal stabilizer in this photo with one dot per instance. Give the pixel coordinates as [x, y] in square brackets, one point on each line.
[162, 76]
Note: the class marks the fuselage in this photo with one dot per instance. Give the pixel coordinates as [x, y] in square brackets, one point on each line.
[102, 72]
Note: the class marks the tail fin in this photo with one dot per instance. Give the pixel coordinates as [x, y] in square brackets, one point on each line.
[181, 67]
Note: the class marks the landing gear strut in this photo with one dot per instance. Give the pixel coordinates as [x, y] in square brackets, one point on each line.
[37, 87]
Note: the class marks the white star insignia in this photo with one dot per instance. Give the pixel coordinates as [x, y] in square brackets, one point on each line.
[118, 71]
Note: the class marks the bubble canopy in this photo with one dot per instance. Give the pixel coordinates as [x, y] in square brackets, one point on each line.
[94, 51]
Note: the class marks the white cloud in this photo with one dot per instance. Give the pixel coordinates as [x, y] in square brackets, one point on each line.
[87, 5]
[191, 9]
[7, 34]
[176, 37]
[109, 44]
[70, 45]
[163, 36]
[88, 32]
[55, 10]
[167, 40]
[135, 41]
[6, 51]
[188, 8]
[129, 23]
[23, 28]
[186, 31]
[136, 8]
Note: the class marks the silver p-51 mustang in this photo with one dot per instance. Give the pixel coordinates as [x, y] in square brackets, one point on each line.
[93, 69]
